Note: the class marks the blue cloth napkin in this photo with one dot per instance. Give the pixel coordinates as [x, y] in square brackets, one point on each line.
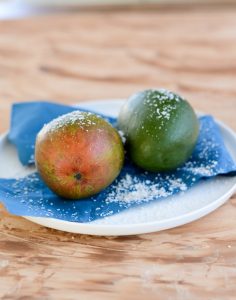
[26, 121]
[29, 196]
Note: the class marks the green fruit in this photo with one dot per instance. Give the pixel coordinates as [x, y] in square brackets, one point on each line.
[161, 129]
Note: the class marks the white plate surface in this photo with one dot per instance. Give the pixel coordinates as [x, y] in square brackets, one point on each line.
[174, 211]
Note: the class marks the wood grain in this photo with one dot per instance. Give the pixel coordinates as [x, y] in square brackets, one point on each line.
[89, 55]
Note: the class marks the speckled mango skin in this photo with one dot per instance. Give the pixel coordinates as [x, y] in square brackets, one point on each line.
[79, 159]
[158, 139]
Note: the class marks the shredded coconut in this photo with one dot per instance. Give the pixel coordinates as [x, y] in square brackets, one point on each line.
[203, 170]
[131, 189]
[82, 119]
[122, 135]
[154, 98]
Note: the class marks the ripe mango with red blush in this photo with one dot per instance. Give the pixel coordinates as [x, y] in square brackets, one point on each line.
[78, 154]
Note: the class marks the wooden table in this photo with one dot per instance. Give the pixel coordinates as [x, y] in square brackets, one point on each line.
[102, 55]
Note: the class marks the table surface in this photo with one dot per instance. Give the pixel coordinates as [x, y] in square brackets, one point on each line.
[104, 55]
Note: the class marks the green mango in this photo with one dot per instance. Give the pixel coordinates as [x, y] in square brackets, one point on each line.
[161, 129]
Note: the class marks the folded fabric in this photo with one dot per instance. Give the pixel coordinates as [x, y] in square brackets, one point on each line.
[29, 196]
[28, 118]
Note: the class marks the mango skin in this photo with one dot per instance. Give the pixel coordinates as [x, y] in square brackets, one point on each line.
[161, 129]
[78, 155]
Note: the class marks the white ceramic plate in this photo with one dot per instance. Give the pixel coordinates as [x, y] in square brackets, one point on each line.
[174, 211]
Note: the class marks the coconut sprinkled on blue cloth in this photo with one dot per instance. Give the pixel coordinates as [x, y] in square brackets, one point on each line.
[29, 196]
